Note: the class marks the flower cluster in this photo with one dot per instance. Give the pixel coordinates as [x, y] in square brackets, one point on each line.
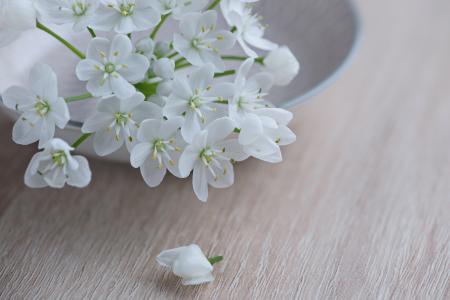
[166, 100]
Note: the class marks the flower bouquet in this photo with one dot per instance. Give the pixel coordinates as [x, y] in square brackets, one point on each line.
[177, 102]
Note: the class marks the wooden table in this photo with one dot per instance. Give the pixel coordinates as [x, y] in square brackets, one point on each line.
[359, 209]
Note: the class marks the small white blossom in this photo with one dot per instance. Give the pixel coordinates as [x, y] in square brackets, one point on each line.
[55, 166]
[264, 132]
[126, 16]
[199, 42]
[162, 48]
[162, 73]
[249, 30]
[16, 16]
[210, 155]
[80, 13]
[178, 8]
[158, 149]
[111, 67]
[116, 121]
[146, 47]
[189, 263]
[41, 107]
[193, 99]
[248, 93]
[282, 64]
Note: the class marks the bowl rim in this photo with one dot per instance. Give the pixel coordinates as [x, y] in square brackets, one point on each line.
[323, 85]
[346, 62]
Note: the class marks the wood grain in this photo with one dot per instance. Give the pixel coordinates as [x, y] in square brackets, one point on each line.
[360, 209]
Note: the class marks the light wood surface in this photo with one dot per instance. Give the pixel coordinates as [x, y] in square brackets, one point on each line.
[360, 209]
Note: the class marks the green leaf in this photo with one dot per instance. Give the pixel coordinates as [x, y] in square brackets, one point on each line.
[215, 259]
[148, 89]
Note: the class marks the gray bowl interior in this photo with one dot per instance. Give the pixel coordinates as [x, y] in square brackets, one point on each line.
[321, 33]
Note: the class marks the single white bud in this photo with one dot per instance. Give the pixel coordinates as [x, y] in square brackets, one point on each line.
[283, 65]
[189, 263]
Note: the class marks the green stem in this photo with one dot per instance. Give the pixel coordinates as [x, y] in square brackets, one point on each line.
[215, 259]
[59, 38]
[173, 55]
[78, 98]
[181, 66]
[259, 60]
[155, 31]
[81, 139]
[214, 4]
[92, 32]
[221, 101]
[226, 73]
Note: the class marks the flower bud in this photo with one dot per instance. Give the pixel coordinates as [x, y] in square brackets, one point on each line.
[283, 65]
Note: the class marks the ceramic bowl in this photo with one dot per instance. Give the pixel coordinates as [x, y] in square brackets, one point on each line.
[323, 34]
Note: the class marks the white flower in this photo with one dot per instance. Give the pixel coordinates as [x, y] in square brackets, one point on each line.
[41, 107]
[162, 48]
[189, 263]
[178, 8]
[117, 121]
[199, 42]
[263, 133]
[55, 166]
[158, 149]
[126, 16]
[210, 155]
[111, 67]
[80, 13]
[162, 73]
[249, 30]
[282, 64]
[16, 16]
[146, 47]
[248, 93]
[193, 98]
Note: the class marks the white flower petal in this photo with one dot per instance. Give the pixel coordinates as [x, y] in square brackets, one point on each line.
[105, 142]
[251, 129]
[191, 126]
[202, 77]
[219, 129]
[15, 96]
[224, 178]
[129, 104]
[60, 113]
[88, 69]
[121, 87]
[134, 67]
[47, 131]
[139, 154]
[187, 161]
[164, 68]
[152, 172]
[120, 49]
[149, 130]
[191, 263]
[43, 82]
[99, 87]
[32, 178]
[98, 49]
[200, 182]
[168, 257]
[26, 131]
[98, 121]
[232, 150]
[80, 177]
